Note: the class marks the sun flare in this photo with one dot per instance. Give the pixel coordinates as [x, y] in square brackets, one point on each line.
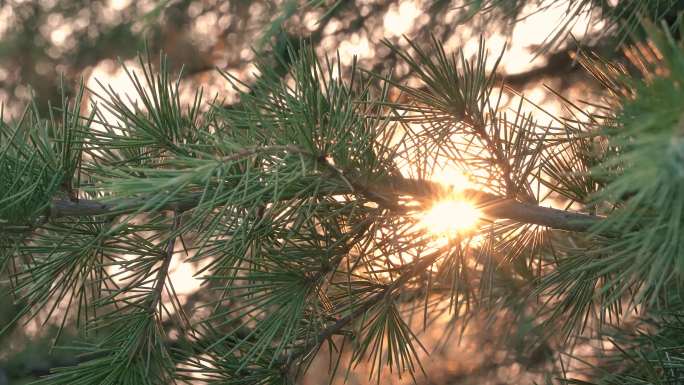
[450, 217]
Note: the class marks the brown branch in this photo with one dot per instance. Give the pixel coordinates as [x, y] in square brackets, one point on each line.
[562, 65]
[497, 207]
[523, 212]
[492, 206]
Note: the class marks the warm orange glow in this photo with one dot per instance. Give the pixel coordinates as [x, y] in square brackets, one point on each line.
[450, 217]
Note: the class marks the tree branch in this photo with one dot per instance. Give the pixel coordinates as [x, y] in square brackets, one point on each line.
[491, 205]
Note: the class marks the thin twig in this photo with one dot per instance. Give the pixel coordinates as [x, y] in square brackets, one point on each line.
[163, 272]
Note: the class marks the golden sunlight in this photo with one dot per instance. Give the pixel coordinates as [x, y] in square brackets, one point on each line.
[457, 179]
[450, 217]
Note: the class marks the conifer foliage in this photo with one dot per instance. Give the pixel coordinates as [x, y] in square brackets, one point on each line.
[302, 207]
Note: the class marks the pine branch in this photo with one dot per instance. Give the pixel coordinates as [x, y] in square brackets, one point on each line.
[492, 205]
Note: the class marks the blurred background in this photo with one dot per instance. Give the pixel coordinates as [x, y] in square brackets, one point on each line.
[47, 45]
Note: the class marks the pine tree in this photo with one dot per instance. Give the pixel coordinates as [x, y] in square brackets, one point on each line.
[305, 206]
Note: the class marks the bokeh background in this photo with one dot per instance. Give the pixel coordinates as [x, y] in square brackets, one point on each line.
[48, 46]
